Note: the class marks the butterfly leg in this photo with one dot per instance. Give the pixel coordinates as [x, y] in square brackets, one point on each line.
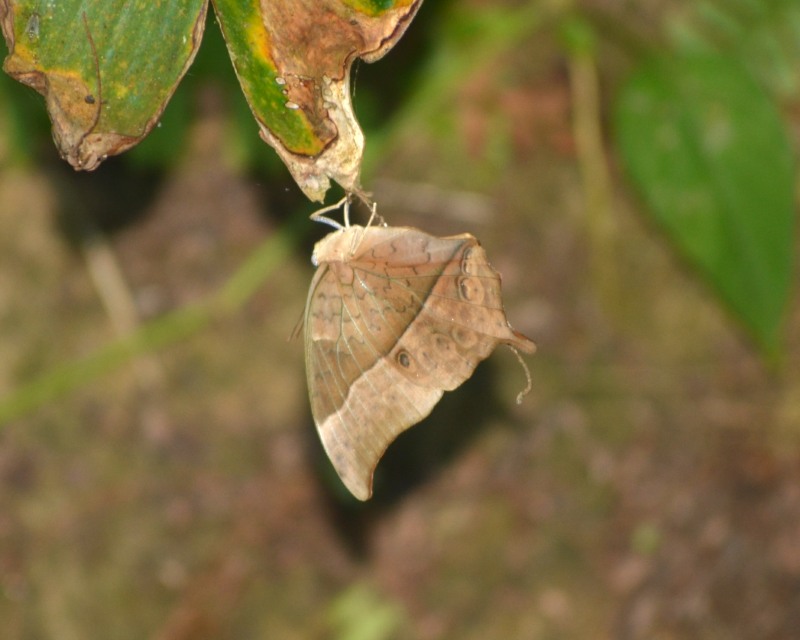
[319, 215]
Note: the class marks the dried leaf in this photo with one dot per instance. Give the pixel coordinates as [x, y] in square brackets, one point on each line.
[293, 60]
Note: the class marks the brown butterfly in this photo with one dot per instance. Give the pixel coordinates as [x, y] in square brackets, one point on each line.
[394, 318]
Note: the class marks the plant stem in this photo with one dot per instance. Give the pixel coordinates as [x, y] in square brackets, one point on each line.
[169, 329]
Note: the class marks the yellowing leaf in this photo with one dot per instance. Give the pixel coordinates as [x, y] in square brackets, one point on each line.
[105, 67]
[293, 60]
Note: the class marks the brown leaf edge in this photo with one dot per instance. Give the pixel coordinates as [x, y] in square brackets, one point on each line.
[74, 108]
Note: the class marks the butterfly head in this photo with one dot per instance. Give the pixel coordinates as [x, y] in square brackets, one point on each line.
[337, 246]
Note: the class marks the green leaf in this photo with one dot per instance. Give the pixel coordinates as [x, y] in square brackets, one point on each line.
[763, 35]
[105, 67]
[708, 151]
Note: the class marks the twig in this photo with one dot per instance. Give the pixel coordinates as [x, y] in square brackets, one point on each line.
[149, 337]
[597, 190]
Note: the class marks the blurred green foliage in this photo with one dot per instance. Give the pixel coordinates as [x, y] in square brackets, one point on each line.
[360, 613]
[699, 128]
[763, 35]
[707, 149]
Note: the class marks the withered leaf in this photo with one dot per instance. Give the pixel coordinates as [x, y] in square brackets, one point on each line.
[293, 60]
[108, 67]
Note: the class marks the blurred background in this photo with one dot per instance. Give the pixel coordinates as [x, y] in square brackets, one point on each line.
[171, 485]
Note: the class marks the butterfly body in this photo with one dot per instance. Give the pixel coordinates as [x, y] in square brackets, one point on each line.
[394, 318]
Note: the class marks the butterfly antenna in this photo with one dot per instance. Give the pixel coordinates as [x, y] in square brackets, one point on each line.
[527, 371]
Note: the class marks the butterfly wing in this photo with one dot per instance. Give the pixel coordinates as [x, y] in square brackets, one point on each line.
[394, 317]
[461, 319]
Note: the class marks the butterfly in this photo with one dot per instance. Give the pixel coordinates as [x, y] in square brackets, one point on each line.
[394, 318]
